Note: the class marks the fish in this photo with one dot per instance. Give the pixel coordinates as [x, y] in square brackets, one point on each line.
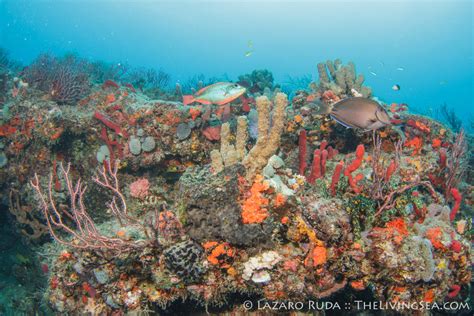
[250, 51]
[360, 113]
[400, 68]
[396, 87]
[219, 93]
[373, 73]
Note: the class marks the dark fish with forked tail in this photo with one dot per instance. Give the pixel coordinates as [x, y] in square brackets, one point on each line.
[358, 112]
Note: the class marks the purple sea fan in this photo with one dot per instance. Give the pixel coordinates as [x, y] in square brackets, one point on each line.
[39, 74]
[65, 79]
[69, 85]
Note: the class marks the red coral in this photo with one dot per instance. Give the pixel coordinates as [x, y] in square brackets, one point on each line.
[434, 235]
[416, 143]
[360, 150]
[436, 143]
[335, 177]
[442, 158]
[332, 152]
[390, 170]
[324, 157]
[323, 145]
[454, 291]
[456, 246]
[395, 230]
[418, 125]
[131, 87]
[315, 167]
[109, 84]
[114, 126]
[457, 203]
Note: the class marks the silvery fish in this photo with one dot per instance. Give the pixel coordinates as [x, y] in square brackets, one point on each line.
[218, 93]
[362, 113]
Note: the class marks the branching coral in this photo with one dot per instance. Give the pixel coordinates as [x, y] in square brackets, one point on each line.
[381, 173]
[85, 234]
[449, 115]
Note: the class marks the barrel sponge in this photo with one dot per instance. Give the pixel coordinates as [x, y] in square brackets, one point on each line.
[424, 250]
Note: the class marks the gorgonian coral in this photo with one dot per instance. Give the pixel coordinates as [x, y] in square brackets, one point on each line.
[65, 79]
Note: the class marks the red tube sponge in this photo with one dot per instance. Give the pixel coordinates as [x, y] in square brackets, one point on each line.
[357, 162]
[107, 122]
[353, 167]
[324, 157]
[390, 170]
[315, 167]
[455, 289]
[335, 177]
[457, 203]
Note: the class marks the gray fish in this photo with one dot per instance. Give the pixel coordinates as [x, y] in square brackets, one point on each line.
[361, 113]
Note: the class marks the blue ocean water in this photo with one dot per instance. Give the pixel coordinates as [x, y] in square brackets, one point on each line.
[426, 47]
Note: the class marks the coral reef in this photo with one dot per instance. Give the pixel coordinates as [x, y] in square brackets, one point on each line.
[135, 204]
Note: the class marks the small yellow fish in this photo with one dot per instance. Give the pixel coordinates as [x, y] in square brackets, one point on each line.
[250, 47]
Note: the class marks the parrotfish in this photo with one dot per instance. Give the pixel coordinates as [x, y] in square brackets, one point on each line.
[218, 93]
[361, 113]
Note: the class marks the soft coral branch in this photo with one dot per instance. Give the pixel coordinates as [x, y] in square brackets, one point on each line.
[75, 221]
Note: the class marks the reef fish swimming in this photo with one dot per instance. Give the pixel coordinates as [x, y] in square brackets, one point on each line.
[219, 93]
[361, 113]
